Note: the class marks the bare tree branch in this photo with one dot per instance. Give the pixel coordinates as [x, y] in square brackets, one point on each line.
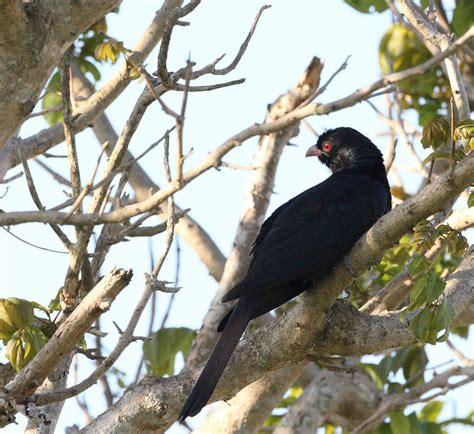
[340, 398]
[246, 412]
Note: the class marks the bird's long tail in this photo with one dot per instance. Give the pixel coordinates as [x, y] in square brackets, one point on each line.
[220, 355]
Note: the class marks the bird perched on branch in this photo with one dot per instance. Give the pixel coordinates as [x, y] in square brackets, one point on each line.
[301, 242]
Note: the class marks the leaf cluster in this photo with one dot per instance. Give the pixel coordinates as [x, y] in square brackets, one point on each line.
[161, 349]
[20, 331]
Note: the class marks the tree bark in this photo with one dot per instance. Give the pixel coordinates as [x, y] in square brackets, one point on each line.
[33, 38]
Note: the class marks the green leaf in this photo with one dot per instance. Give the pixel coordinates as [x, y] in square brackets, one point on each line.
[395, 387]
[384, 367]
[52, 100]
[273, 420]
[417, 294]
[416, 362]
[86, 66]
[424, 236]
[443, 316]
[434, 286]
[374, 374]
[399, 423]
[435, 133]
[368, 6]
[160, 351]
[463, 16]
[24, 345]
[133, 71]
[420, 264]
[54, 83]
[470, 199]
[6, 328]
[401, 49]
[55, 303]
[431, 411]
[414, 424]
[430, 428]
[462, 331]
[457, 243]
[14, 314]
[401, 358]
[420, 324]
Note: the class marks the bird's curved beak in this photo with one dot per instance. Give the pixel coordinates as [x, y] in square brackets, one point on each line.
[313, 151]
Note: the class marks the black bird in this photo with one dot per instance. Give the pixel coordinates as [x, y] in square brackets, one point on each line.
[301, 242]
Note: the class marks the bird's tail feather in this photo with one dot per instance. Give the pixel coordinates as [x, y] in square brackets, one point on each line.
[218, 359]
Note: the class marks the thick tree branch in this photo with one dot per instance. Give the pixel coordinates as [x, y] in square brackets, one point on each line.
[246, 412]
[43, 420]
[343, 399]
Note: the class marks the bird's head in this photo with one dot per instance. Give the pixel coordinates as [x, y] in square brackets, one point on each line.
[346, 148]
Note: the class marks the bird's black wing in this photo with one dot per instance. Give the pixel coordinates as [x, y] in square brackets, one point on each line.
[307, 235]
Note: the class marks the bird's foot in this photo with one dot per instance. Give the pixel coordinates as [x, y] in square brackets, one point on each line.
[348, 265]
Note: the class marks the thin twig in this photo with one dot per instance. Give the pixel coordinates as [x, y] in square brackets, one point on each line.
[465, 360]
[54, 109]
[88, 187]
[152, 312]
[82, 404]
[34, 195]
[430, 173]
[176, 282]
[236, 166]
[180, 124]
[323, 88]
[12, 178]
[107, 391]
[162, 70]
[68, 126]
[399, 400]
[452, 159]
[242, 48]
[31, 244]
[56, 176]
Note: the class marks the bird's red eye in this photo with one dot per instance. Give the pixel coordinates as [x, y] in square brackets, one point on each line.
[327, 147]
